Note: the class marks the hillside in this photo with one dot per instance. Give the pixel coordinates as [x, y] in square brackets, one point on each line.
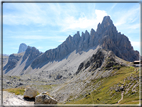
[121, 87]
[103, 64]
[101, 79]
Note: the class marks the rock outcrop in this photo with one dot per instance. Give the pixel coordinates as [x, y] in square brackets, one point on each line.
[22, 47]
[30, 93]
[101, 59]
[43, 98]
[95, 61]
[113, 40]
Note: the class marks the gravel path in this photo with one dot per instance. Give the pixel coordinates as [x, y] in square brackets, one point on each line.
[12, 99]
[121, 97]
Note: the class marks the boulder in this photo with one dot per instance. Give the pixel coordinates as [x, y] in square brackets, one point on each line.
[30, 93]
[58, 77]
[44, 98]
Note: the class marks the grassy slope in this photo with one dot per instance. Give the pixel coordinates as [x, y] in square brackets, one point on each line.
[106, 94]
[17, 91]
[21, 90]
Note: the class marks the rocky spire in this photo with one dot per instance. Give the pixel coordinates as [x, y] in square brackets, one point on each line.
[22, 47]
[107, 21]
[107, 24]
[77, 35]
[92, 32]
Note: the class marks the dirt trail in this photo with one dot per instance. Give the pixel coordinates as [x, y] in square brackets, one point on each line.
[121, 96]
[12, 99]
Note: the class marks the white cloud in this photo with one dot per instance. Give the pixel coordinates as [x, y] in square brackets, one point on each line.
[37, 37]
[52, 14]
[100, 14]
[68, 17]
[36, 13]
[61, 40]
[39, 47]
[16, 48]
[135, 44]
[49, 47]
[24, 14]
[134, 26]
[84, 22]
[128, 16]
[113, 6]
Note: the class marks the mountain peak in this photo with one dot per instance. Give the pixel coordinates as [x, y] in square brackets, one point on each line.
[22, 47]
[92, 32]
[86, 32]
[106, 18]
[77, 35]
[107, 21]
[106, 24]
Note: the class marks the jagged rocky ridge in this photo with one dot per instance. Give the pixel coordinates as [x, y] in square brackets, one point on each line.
[106, 36]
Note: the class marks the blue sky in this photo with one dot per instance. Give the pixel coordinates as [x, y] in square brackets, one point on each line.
[47, 25]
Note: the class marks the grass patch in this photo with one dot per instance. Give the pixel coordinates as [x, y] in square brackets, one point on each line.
[17, 91]
[42, 88]
[45, 86]
[15, 77]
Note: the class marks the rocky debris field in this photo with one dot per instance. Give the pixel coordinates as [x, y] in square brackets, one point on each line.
[36, 81]
[12, 99]
[30, 97]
